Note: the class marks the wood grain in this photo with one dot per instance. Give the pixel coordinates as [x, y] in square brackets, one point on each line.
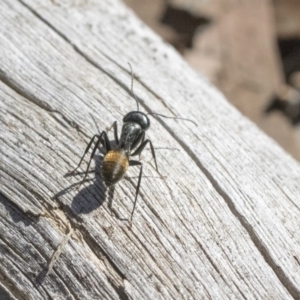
[223, 223]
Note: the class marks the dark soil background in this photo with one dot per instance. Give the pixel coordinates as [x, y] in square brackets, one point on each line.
[249, 49]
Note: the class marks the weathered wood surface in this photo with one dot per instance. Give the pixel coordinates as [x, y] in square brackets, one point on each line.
[223, 224]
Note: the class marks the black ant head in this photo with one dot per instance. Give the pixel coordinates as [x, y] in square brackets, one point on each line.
[139, 118]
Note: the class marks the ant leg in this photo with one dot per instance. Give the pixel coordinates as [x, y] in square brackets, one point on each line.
[142, 141]
[143, 138]
[106, 145]
[141, 148]
[139, 139]
[136, 163]
[115, 125]
[85, 152]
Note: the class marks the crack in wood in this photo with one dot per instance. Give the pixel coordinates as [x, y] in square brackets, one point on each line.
[248, 228]
[286, 282]
[30, 97]
[78, 228]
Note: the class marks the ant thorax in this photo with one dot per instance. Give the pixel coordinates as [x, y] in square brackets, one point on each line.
[130, 133]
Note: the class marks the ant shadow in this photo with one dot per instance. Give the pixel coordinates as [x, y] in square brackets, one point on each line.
[91, 197]
[94, 195]
[88, 197]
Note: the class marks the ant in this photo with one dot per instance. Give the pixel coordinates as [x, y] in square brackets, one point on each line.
[131, 143]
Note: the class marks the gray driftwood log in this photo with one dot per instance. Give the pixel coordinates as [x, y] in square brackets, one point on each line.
[223, 223]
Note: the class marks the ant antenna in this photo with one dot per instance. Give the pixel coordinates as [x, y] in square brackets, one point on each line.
[175, 118]
[132, 93]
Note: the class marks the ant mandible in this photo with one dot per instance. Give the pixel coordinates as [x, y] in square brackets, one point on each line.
[131, 143]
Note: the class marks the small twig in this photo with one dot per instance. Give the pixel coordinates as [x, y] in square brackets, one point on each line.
[59, 250]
